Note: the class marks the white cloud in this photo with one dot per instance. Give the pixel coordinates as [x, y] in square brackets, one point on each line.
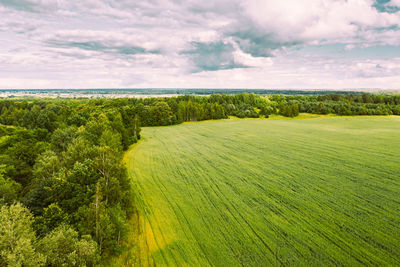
[248, 60]
[395, 3]
[317, 20]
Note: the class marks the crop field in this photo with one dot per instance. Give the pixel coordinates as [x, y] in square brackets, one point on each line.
[320, 192]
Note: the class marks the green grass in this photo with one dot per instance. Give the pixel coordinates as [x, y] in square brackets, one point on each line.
[321, 192]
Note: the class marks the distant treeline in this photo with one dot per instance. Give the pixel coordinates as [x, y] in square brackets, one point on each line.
[61, 176]
[260, 92]
[174, 110]
[161, 91]
[364, 104]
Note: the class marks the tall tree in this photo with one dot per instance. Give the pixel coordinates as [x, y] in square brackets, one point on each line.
[64, 248]
[17, 238]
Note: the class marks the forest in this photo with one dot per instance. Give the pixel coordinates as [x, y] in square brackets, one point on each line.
[65, 196]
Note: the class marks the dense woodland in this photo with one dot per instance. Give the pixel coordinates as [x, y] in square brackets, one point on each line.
[65, 196]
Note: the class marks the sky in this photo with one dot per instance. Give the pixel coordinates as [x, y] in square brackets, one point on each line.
[279, 44]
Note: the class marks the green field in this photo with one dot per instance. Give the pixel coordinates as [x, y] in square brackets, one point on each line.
[322, 191]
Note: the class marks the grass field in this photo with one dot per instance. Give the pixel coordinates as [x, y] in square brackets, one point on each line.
[322, 191]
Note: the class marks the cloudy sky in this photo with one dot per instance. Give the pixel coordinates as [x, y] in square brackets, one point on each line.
[200, 44]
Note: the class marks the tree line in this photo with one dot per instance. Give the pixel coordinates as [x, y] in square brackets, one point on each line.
[65, 196]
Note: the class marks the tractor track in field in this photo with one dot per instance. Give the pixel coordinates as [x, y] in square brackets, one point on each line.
[162, 190]
[231, 208]
[220, 196]
[177, 210]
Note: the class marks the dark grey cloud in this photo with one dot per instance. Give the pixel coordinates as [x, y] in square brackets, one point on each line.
[258, 43]
[386, 6]
[97, 46]
[213, 56]
[17, 27]
[21, 5]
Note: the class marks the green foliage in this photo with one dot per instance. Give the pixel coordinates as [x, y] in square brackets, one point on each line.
[41, 194]
[79, 150]
[17, 238]
[46, 165]
[161, 113]
[21, 149]
[52, 217]
[291, 110]
[62, 247]
[266, 110]
[9, 189]
[62, 137]
[111, 139]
